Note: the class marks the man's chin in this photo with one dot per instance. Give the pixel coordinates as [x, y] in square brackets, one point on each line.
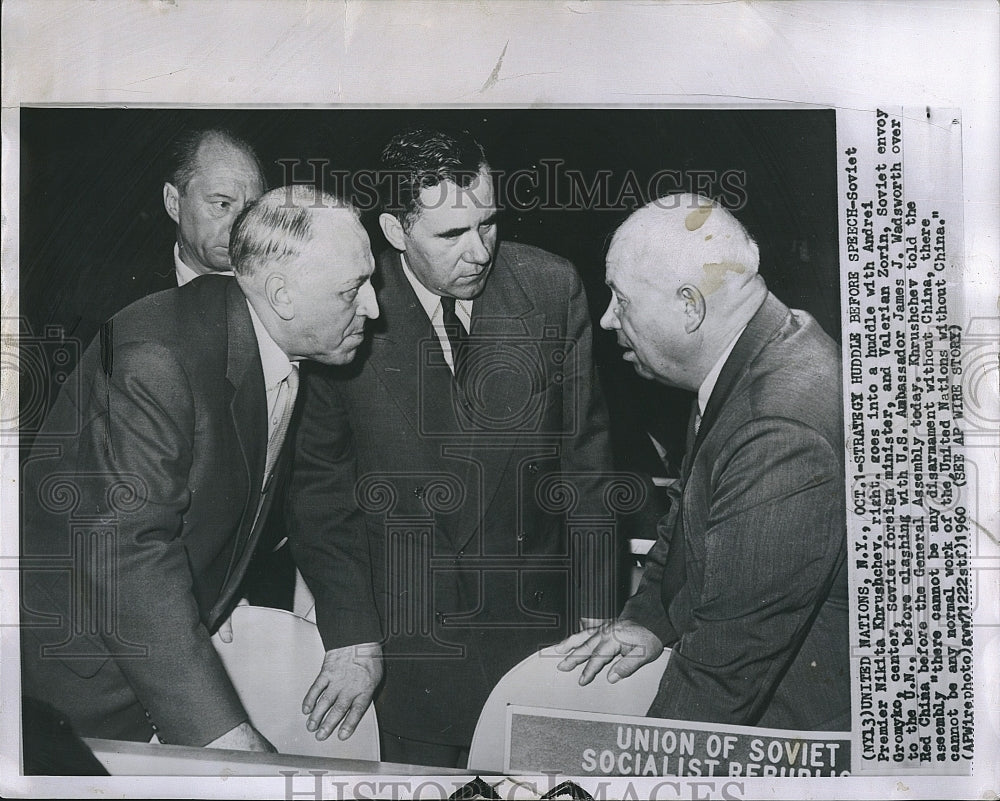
[340, 357]
[644, 371]
[472, 289]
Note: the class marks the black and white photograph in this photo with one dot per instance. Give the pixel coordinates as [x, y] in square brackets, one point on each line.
[563, 444]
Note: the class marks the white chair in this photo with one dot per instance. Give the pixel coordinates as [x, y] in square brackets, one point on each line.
[272, 661]
[536, 682]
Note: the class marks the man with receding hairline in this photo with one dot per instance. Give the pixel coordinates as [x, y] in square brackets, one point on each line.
[746, 582]
[210, 175]
[214, 175]
[160, 499]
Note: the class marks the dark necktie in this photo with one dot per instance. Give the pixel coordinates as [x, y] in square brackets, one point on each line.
[457, 335]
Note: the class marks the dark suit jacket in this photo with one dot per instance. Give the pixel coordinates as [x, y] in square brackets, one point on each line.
[468, 493]
[97, 297]
[67, 318]
[139, 500]
[747, 580]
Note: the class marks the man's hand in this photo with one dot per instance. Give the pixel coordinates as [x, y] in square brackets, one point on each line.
[226, 627]
[635, 644]
[343, 689]
[243, 738]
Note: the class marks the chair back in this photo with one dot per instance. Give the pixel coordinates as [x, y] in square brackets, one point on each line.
[536, 682]
[272, 661]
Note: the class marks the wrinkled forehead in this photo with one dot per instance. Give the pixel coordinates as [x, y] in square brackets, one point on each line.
[632, 257]
[219, 161]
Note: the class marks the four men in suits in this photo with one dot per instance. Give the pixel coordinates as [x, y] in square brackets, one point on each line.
[143, 506]
[476, 412]
[437, 476]
[747, 580]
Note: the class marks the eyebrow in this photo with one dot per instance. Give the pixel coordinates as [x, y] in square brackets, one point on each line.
[459, 231]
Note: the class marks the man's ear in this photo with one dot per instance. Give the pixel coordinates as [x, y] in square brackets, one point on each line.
[171, 202]
[277, 296]
[694, 307]
[393, 230]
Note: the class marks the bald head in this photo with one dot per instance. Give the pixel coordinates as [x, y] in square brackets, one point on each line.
[686, 239]
[304, 261]
[683, 275]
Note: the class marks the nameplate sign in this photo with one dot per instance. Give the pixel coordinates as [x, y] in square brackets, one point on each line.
[596, 744]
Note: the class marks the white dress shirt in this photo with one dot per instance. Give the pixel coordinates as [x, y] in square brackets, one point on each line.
[432, 307]
[276, 366]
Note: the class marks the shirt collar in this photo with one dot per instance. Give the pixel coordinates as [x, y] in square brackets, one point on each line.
[184, 273]
[430, 302]
[273, 361]
[705, 390]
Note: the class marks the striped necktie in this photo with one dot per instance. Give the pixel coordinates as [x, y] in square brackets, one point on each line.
[283, 406]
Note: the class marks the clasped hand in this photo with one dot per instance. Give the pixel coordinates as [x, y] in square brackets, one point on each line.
[343, 689]
[633, 646]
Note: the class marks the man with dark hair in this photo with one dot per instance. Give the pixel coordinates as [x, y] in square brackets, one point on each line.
[137, 530]
[747, 580]
[481, 431]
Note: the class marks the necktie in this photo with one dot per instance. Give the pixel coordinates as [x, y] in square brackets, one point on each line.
[283, 406]
[694, 423]
[457, 335]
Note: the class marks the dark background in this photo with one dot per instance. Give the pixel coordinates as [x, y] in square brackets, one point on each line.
[91, 204]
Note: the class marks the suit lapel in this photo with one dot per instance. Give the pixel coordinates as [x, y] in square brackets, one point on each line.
[409, 363]
[406, 356]
[248, 413]
[504, 318]
[759, 331]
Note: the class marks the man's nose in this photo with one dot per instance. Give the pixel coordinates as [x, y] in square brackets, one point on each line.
[476, 251]
[609, 320]
[367, 302]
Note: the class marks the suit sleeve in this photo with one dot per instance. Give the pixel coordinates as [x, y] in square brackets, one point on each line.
[774, 539]
[143, 440]
[326, 528]
[587, 457]
[664, 570]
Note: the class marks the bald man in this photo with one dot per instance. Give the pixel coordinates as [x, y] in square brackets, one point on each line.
[746, 582]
